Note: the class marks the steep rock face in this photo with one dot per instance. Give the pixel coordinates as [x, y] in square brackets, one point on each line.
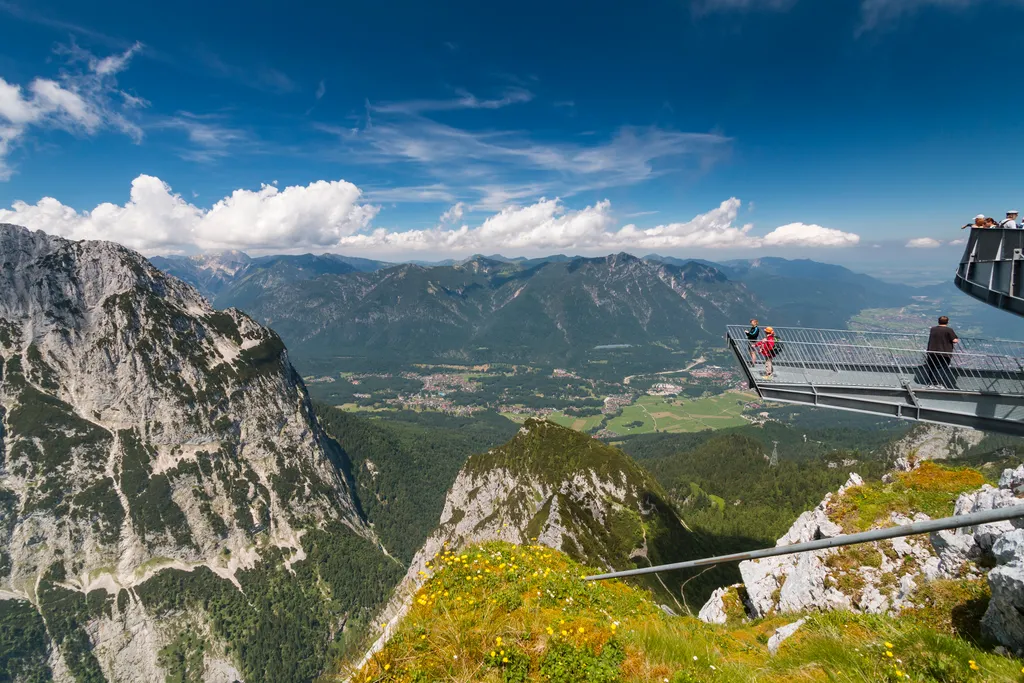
[143, 432]
[935, 442]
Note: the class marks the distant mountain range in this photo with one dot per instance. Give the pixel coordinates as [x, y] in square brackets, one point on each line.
[807, 293]
[485, 310]
[552, 309]
[213, 273]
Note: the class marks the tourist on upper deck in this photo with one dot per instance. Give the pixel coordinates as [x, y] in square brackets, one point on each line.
[990, 222]
[1011, 220]
[979, 222]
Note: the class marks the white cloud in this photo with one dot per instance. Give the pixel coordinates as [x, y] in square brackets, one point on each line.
[155, 219]
[434, 192]
[801, 234]
[956, 243]
[491, 162]
[873, 13]
[454, 214]
[877, 12]
[463, 100]
[923, 243]
[209, 138]
[81, 102]
[334, 215]
[321, 89]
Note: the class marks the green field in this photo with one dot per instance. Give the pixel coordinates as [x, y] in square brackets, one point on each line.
[580, 424]
[656, 413]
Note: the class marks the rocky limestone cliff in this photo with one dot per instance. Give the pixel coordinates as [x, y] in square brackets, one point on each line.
[143, 433]
[885, 577]
[934, 442]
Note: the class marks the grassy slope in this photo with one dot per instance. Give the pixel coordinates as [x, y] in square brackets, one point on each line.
[505, 613]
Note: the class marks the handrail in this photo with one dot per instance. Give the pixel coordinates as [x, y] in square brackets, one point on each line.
[892, 360]
[955, 522]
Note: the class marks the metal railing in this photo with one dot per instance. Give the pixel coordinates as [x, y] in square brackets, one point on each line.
[885, 359]
[955, 522]
[991, 268]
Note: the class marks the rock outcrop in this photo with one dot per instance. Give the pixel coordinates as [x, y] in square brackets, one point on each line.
[783, 633]
[935, 442]
[884, 577]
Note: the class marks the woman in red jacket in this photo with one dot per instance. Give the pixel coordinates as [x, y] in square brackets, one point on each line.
[766, 347]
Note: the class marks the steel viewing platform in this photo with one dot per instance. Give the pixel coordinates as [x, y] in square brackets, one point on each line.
[887, 374]
[990, 269]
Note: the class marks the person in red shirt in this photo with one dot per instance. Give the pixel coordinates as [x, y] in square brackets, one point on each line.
[766, 347]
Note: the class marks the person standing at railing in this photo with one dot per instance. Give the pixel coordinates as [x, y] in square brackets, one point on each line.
[942, 340]
[979, 222]
[766, 347]
[1011, 220]
[752, 335]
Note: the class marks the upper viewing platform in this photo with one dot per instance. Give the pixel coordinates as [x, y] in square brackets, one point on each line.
[885, 373]
[990, 269]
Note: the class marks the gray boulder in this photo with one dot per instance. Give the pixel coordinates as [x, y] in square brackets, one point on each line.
[713, 611]
[955, 549]
[1009, 549]
[1013, 480]
[783, 633]
[986, 498]
[1004, 619]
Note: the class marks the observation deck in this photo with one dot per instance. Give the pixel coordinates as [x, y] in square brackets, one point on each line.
[887, 374]
[990, 269]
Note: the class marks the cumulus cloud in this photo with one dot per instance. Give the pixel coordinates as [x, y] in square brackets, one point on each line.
[155, 219]
[334, 215]
[801, 234]
[923, 243]
[82, 101]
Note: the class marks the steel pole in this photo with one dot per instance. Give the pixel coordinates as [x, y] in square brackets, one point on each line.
[972, 519]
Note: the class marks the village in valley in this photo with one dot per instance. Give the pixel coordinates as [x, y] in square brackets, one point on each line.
[704, 395]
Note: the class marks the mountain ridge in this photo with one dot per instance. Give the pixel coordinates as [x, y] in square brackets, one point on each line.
[486, 310]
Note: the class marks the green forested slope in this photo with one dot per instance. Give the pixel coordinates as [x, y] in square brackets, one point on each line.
[403, 466]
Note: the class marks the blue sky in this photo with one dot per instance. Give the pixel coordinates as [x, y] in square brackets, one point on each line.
[436, 128]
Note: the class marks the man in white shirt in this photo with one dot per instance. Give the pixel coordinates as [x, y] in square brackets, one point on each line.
[979, 222]
[1011, 220]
